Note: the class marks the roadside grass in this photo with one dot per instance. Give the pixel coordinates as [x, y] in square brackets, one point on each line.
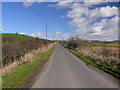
[11, 37]
[98, 64]
[18, 76]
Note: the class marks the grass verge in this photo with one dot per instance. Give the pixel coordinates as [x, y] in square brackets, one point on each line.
[100, 65]
[19, 74]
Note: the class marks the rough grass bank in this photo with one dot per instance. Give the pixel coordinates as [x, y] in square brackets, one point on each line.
[19, 74]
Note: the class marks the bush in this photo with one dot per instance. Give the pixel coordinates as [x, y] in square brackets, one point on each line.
[14, 51]
[75, 42]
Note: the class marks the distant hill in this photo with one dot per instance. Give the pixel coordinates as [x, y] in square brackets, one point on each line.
[11, 37]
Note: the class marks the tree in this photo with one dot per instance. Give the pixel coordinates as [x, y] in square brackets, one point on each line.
[75, 42]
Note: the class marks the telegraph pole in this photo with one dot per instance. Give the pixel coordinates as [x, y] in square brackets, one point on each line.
[53, 36]
[46, 30]
[46, 25]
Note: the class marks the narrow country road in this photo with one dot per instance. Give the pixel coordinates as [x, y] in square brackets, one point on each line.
[65, 70]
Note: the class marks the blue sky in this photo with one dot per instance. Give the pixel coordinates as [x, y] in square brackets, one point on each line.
[61, 20]
[17, 18]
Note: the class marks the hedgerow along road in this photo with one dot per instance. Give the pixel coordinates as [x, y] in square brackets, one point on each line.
[65, 70]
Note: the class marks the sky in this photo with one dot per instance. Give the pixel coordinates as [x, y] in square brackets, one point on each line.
[89, 20]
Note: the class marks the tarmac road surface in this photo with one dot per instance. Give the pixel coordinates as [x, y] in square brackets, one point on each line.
[65, 70]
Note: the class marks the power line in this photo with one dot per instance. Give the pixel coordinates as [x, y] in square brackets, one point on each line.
[38, 17]
[36, 13]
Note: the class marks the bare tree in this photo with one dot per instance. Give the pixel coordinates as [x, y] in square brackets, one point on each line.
[75, 42]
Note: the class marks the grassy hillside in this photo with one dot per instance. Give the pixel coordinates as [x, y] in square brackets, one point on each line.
[11, 38]
[15, 46]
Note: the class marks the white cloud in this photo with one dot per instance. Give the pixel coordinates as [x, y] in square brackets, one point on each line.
[27, 4]
[61, 36]
[0, 30]
[58, 32]
[31, 2]
[63, 16]
[65, 36]
[37, 34]
[58, 35]
[62, 4]
[104, 30]
[104, 12]
[22, 33]
[88, 4]
[82, 17]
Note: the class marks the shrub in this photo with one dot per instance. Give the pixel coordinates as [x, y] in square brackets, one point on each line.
[14, 51]
[75, 42]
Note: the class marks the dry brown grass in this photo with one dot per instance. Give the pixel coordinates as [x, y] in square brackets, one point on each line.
[28, 58]
[9, 68]
[43, 49]
[101, 53]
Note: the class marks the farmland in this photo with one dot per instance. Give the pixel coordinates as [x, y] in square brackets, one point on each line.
[103, 52]
[103, 55]
[12, 38]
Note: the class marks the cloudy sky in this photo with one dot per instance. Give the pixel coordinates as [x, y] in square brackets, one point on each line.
[89, 20]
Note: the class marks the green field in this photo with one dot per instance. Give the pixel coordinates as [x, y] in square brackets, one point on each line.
[11, 38]
[98, 43]
[118, 42]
